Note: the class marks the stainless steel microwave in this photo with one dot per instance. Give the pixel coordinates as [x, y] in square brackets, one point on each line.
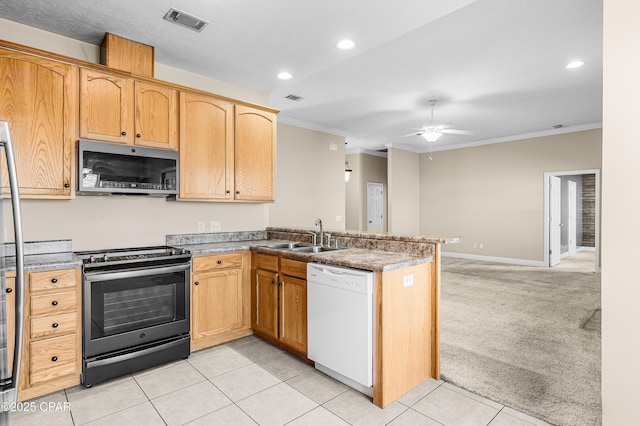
[109, 168]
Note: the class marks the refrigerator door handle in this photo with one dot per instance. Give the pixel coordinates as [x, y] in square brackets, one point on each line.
[5, 141]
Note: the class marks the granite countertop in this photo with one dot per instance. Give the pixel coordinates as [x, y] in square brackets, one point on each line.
[370, 260]
[374, 235]
[40, 255]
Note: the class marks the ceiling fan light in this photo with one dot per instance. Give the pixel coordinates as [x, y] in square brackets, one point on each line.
[431, 135]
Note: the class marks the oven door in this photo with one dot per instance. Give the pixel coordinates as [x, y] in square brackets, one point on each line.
[124, 309]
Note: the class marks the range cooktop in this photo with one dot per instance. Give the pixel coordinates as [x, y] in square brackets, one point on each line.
[130, 255]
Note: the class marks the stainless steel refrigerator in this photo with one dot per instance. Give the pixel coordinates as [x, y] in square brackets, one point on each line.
[9, 374]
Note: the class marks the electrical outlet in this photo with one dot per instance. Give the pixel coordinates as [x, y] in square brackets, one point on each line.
[200, 226]
[214, 225]
[338, 218]
[407, 280]
[333, 146]
[475, 245]
[481, 246]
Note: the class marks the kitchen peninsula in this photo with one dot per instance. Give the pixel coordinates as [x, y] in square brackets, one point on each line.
[406, 311]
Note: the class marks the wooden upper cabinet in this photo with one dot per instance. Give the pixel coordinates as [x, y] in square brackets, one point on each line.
[206, 147]
[156, 116]
[106, 107]
[255, 152]
[119, 109]
[39, 101]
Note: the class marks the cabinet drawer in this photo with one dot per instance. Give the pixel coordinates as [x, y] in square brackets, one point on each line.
[55, 303]
[52, 280]
[51, 358]
[54, 325]
[294, 268]
[266, 262]
[214, 262]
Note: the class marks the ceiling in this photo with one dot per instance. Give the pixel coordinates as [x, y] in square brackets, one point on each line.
[496, 67]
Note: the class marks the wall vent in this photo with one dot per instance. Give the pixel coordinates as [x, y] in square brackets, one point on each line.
[182, 18]
[294, 97]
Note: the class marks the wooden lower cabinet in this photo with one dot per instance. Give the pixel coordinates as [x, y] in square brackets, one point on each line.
[280, 301]
[52, 349]
[220, 299]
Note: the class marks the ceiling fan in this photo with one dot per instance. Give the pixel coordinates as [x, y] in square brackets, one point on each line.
[432, 132]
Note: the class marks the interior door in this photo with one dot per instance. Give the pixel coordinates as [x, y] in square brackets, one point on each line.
[375, 207]
[554, 219]
[573, 200]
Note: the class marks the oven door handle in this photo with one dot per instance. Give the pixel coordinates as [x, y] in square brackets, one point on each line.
[133, 273]
[135, 354]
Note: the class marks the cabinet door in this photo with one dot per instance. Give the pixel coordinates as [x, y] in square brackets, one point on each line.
[106, 107]
[156, 116]
[39, 101]
[255, 144]
[217, 303]
[266, 302]
[206, 147]
[293, 313]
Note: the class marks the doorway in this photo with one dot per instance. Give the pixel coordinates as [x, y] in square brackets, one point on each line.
[375, 207]
[572, 217]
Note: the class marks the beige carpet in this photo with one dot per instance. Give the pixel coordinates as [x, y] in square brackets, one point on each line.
[515, 335]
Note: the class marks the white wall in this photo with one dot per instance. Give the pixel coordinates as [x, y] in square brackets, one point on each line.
[403, 191]
[620, 212]
[310, 179]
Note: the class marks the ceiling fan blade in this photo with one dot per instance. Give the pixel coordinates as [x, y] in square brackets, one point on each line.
[456, 132]
[413, 134]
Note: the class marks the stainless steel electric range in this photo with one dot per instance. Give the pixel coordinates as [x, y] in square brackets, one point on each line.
[135, 310]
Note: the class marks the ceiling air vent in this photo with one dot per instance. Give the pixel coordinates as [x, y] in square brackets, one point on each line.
[294, 97]
[182, 18]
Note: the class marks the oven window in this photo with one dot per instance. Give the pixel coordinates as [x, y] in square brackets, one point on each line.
[123, 305]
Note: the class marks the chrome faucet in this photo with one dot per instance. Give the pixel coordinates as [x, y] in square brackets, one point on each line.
[319, 222]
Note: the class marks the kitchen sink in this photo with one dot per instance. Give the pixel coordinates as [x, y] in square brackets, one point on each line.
[315, 249]
[289, 246]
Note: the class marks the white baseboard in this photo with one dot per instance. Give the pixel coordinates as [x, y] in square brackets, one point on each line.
[509, 260]
[585, 248]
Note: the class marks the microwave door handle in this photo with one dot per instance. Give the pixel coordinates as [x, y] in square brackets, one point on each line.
[5, 141]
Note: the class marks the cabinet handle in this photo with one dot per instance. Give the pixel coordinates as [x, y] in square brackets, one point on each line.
[138, 135]
[124, 133]
[228, 192]
[54, 359]
[9, 290]
[66, 185]
[219, 262]
[54, 325]
[273, 281]
[238, 192]
[54, 303]
[54, 280]
[280, 283]
[196, 283]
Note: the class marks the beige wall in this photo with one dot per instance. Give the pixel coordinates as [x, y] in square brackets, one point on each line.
[366, 168]
[494, 194]
[620, 211]
[353, 202]
[403, 192]
[310, 179]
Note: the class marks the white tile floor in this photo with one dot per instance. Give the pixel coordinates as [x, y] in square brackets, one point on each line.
[249, 382]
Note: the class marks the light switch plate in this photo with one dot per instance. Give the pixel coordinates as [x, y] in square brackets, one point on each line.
[408, 280]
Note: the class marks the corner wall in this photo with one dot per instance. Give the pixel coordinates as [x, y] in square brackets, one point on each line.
[620, 211]
[404, 192]
[494, 194]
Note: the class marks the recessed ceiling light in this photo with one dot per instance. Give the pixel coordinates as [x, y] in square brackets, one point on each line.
[284, 76]
[345, 44]
[575, 64]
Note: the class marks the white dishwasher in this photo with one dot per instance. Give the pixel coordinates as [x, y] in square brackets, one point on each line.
[340, 324]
